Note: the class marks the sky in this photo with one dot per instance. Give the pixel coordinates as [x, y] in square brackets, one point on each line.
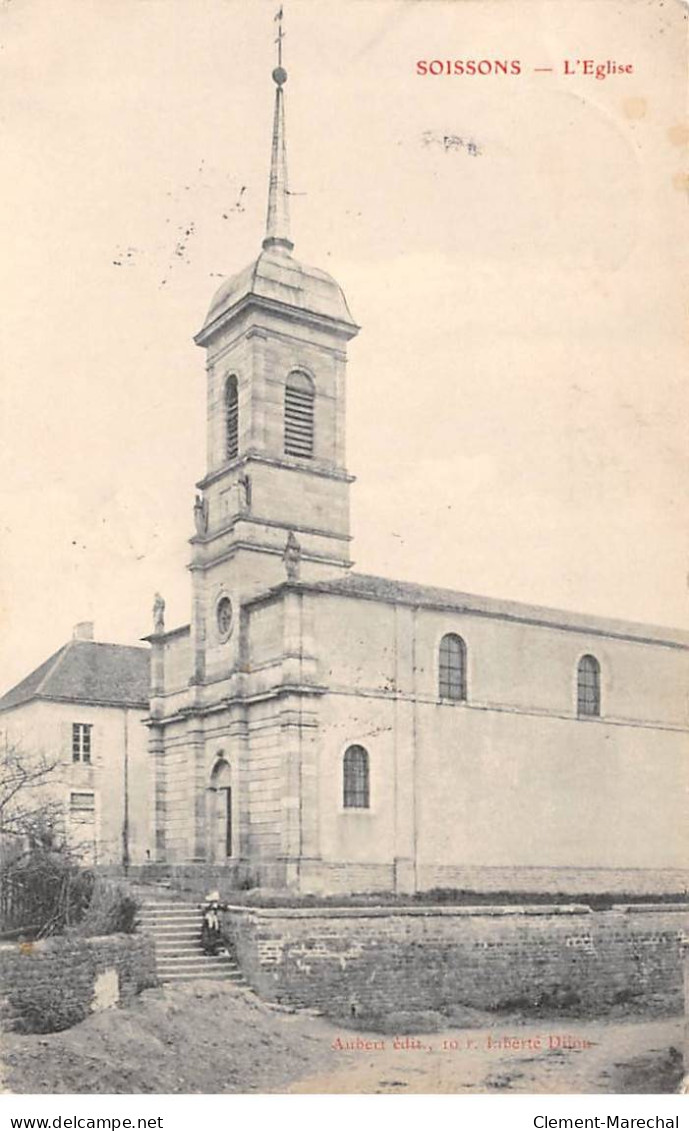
[510, 245]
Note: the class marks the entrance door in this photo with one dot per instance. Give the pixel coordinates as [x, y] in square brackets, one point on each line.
[224, 814]
[220, 827]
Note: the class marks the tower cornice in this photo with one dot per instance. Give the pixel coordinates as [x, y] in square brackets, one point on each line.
[271, 333]
[293, 314]
[283, 462]
[266, 549]
[257, 520]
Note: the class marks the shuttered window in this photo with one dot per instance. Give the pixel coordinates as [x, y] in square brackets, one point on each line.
[355, 778]
[452, 663]
[588, 687]
[231, 418]
[299, 416]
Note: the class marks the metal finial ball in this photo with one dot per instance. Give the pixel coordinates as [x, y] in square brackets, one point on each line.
[280, 76]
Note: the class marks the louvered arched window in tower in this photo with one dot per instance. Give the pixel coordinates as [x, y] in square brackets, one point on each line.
[355, 784]
[588, 687]
[452, 667]
[299, 415]
[231, 418]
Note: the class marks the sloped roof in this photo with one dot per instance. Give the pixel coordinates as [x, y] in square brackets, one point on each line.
[277, 276]
[372, 588]
[86, 671]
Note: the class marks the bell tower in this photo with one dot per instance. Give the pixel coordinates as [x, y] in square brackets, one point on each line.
[274, 500]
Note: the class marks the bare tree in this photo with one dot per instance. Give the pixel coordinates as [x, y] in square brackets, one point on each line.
[27, 808]
[43, 886]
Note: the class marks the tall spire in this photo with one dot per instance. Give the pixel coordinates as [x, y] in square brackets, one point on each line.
[277, 221]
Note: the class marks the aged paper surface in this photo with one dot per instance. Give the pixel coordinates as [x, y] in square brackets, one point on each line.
[500, 188]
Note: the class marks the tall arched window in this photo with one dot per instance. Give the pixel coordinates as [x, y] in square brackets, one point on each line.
[299, 414]
[231, 418]
[588, 686]
[355, 785]
[452, 667]
[221, 810]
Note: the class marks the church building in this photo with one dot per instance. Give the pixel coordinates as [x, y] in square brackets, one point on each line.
[320, 730]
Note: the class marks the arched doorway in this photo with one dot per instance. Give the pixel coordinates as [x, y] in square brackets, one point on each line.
[221, 811]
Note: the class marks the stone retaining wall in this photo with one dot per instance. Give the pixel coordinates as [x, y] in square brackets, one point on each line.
[68, 976]
[369, 960]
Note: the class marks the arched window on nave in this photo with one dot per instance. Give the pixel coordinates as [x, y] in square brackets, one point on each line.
[452, 664]
[588, 687]
[355, 778]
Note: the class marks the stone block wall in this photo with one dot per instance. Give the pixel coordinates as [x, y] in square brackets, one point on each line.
[370, 960]
[88, 973]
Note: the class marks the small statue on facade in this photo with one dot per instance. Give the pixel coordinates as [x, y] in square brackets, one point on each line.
[245, 492]
[158, 613]
[200, 514]
[292, 557]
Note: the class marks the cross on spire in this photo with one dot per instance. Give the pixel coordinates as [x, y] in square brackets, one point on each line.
[280, 34]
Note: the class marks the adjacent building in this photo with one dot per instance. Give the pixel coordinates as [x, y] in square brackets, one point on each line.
[82, 711]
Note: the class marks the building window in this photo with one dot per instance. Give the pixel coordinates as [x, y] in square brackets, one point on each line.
[355, 791]
[588, 687]
[452, 680]
[82, 802]
[299, 415]
[231, 418]
[81, 742]
[224, 617]
[82, 808]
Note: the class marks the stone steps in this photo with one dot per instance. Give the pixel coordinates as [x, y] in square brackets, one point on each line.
[176, 932]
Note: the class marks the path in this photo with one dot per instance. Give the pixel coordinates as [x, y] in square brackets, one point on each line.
[586, 1057]
[213, 1037]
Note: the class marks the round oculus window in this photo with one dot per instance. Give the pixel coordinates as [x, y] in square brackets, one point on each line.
[223, 616]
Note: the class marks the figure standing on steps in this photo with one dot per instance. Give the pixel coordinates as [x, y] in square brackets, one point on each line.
[158, 613]
[292, 557]
[211, 936]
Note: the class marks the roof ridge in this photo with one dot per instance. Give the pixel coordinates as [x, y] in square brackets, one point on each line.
[58, 658]
[362, 584]
[105, 644]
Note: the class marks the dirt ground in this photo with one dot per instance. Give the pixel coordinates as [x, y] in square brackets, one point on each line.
[214, 1037]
